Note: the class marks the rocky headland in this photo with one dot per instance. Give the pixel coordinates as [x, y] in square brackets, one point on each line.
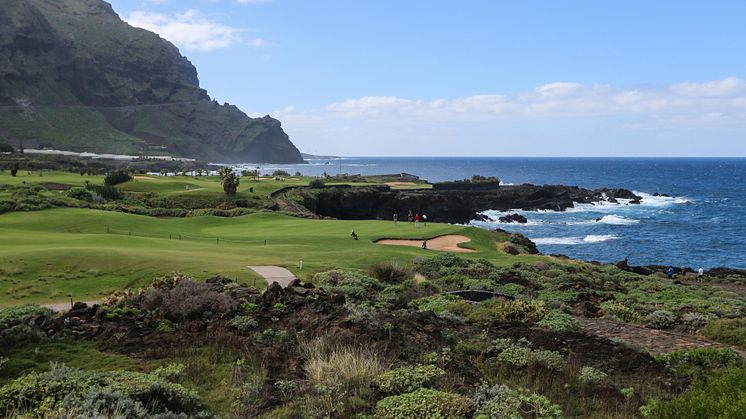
[444, 205]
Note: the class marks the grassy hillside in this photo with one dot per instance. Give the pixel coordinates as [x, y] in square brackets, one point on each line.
[57, 254]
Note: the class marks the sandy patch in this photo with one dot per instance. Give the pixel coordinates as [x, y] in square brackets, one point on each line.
[448, 243]
[395, 184]
[142, 178]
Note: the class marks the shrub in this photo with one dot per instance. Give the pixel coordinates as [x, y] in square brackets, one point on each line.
[187, 300]
[699, 362]
[500, 401]
[732, 331]
[424, 403]
[243, 324]
[559, 322]
[352, 367]
[106, 193]
[316, 183]
[117, 177]
[39, 394]
[722, 396]
[500, 311]
[408, 379]
[164, 325]
[694, 320]
[352, 284]
[80, 194]
[619, 311]
[281, 173]
[590, 375]
[391, 272]
[661, 319]
[105, 403]
[520, 354]
[438, 303]
[13, 314]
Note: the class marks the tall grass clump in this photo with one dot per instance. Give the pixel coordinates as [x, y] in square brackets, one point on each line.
[340, 376]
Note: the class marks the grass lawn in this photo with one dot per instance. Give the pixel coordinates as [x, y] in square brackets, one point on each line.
[54, 255]
[197, 187]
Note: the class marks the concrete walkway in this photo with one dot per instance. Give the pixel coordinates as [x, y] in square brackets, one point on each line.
[62, 307]
[274, 274]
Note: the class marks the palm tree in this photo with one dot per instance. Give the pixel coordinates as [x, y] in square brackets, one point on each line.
[229, 180]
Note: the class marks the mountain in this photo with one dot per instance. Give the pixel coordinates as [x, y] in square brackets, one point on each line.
[74, 76]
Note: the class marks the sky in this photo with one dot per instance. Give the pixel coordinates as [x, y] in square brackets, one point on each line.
[473, 78]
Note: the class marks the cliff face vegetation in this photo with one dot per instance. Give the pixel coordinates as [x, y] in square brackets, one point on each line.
[74, 76]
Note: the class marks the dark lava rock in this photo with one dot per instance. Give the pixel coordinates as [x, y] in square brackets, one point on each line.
[380, 202]
[521, 240]
[513, 218]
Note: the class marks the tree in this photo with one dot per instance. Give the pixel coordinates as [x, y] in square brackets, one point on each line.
[5, 147]
[229, 180]
[14, 169]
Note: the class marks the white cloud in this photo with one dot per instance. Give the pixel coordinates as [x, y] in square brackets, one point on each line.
[721, 97]
[563, 118]
[718, 88]
[190, 30]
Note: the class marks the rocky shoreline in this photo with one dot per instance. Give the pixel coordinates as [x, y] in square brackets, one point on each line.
[450, 206]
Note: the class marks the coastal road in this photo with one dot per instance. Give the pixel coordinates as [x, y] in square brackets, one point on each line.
[274, 274]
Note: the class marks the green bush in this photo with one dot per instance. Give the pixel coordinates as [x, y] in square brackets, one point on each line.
[390, 272]
[732, 331]
[13, 314]
[519, 354]
[722, 396]
[559, 322]
[408, 379]
[352, 284]
[438, 303]
[80, 194]
[661, 319]
[499, 311]
[590, 375]
[694, 320]
[500, 401]
[425, 404]
[117, 177]
[243, 324]
[619, 311]
[39, 394]
[316, 183]
[699, 362]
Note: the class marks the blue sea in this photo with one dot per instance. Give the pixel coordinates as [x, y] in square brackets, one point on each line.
[703, 223]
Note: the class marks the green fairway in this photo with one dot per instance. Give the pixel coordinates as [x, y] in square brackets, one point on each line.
[53, 255]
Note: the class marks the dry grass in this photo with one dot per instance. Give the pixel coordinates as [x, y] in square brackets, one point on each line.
[353, 367]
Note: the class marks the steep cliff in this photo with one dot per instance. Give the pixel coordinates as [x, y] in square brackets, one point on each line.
[74, 76]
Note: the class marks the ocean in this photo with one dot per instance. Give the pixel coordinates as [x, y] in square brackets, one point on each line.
[702, 223]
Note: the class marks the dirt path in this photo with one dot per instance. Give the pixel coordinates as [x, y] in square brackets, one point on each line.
[652, 340]
[274, 274]
[448, 243]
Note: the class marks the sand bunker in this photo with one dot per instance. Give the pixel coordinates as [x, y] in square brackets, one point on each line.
[142, 178]
[398, 184]
[447, 243]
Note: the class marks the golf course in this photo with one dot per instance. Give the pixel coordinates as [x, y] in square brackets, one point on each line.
[56, 254]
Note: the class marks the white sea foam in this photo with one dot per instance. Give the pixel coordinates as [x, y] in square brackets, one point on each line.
[590, 239]
[611, 219]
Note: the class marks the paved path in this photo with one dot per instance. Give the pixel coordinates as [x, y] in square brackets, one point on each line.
[652, 340]
[60, 307]
[274, 274]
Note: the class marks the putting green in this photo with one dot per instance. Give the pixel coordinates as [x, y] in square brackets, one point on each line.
[53, 255]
